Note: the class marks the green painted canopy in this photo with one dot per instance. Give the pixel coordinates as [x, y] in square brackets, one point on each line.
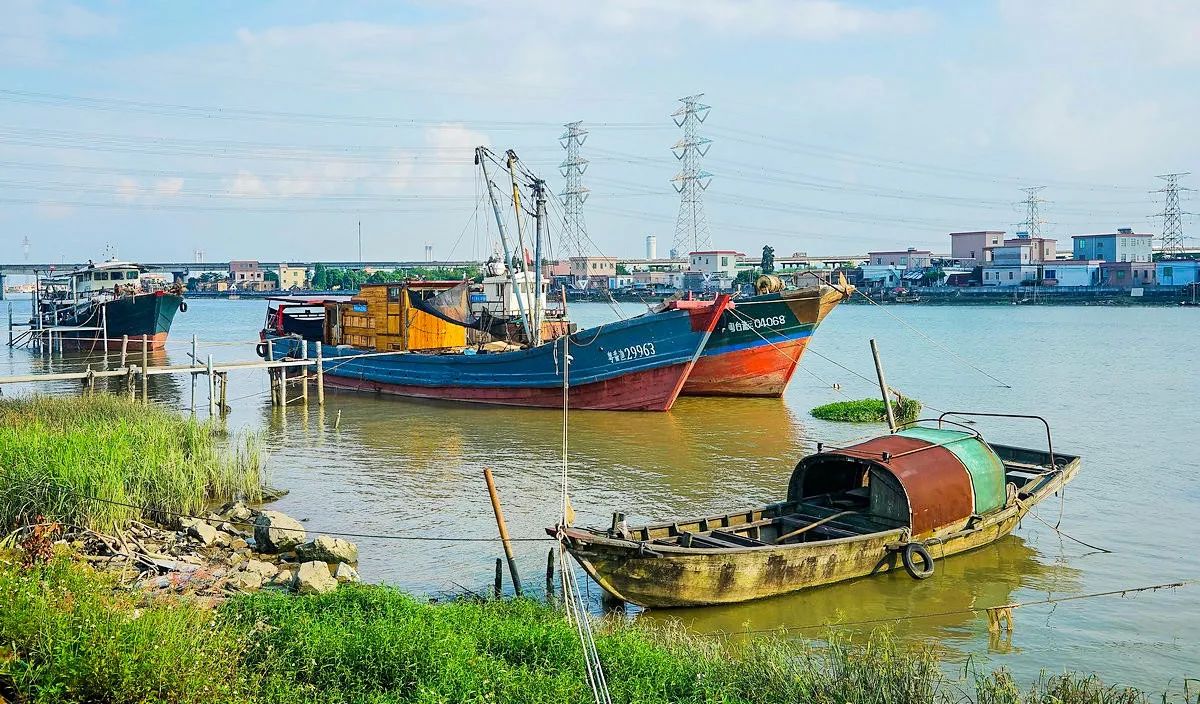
[984, 466]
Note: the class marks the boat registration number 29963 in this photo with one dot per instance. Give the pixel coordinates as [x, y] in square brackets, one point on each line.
[625, 354]
[774, 321]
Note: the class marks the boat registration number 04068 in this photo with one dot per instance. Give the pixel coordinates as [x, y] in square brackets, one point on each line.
[774, 321]
[646, 349]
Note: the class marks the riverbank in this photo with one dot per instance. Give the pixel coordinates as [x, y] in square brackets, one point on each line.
[72, 634]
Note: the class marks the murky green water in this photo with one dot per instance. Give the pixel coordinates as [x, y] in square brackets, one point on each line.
[1118, 385]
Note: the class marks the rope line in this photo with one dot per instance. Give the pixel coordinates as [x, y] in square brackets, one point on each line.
[956, 612]
[931, 340]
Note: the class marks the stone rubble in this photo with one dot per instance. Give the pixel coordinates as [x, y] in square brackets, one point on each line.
[216, 557]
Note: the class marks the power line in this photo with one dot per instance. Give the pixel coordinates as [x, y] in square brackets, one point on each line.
[691, 226]
[1172, 215]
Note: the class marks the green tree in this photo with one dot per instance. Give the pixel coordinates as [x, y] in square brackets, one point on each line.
[747, 276]
[622, 270]
[272, 276]
[320, 279]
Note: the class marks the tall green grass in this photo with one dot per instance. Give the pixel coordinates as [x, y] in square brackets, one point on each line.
[868, 410]
[70, 639]
[54, 451]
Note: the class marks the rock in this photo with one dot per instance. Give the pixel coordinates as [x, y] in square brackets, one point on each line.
[327, 549]
[283, 577]
[203, 532]
[345, 573]
[235, 511]
[314, 578]
[237, 544]
[277, 532]
[236, 559]
[264, 569]
[223, 539]
[246, 581]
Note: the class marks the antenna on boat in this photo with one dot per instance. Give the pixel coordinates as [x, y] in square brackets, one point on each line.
[883, 387]
[481, 156]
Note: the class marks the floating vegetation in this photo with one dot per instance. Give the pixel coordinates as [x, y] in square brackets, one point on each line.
[55, 451]
[868, 410]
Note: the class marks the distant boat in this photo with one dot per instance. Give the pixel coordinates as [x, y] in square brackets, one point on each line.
[759, 341]
[108, 301]
[898, 500]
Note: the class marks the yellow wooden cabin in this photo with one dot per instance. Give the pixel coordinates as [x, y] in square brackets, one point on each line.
[381, 317]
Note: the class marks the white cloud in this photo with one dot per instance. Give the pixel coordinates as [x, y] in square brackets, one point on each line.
[33, 30]
[247, 184]
[127, 189]
[168, 187]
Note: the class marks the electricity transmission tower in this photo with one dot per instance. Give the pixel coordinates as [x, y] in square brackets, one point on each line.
[691, 227]
[575, 193]
[1033, 222]
[1172, 215]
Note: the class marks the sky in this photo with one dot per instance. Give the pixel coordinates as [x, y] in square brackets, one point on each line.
[270, 130]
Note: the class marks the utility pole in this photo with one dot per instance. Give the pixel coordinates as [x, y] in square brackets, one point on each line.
[575, 193]
[360, 259]
[691, 226]
[1033, 222]
[1172, 215]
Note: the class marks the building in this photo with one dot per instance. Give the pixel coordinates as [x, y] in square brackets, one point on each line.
[1041, 249]
[1122, 246]
[1072, 272]
[248, 275]
[292, 277]
[1012, 264]
[1127, 274]
[911, 258]
[651, 247]
[971, 248]
[721, 263]
[589, 266]
[1177, 272]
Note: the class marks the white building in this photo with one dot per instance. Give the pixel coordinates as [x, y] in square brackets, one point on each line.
[651, 247]
[719, 262]
[1072, 272]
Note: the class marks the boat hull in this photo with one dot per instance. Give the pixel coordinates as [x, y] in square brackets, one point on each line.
[756, 346]
[666, 576]
[148, 314]
[640, 364]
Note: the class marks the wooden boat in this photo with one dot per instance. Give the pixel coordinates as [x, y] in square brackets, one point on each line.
[757, 345]
[902, 499]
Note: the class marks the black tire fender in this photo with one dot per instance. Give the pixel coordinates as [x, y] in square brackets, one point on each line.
[910, 553]
[261, 350]
[183, 306]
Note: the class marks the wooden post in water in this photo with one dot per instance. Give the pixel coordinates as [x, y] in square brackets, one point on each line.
[281, 372]
[320, 375]
[104, 326]
[550, 573]
[195, 361]
[498, 586]
[508, 553]
[145, 368]
[271, 374]
[212, 389]
[124, 350]
[90, 381]
[304, 371]
[224, 377]
[883, 387]
[129, 383]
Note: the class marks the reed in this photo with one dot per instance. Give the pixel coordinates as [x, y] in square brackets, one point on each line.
[56, 451]
[868, 410]
[67, 636]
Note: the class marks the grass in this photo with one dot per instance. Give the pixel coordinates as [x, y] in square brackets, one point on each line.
[71, 638]
[53, 449]
[868, 410]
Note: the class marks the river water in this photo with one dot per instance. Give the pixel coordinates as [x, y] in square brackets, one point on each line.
[1118, 385]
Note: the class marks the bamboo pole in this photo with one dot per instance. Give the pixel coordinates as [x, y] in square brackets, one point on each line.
[104, 326]
[320, 375]
[145, 369]
[224, 377]
[508, 553]
[883, 387]
[124, 350]
[212, 390]
[283, 382]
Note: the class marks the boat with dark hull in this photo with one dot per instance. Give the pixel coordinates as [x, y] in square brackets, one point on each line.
[901, 500]
[758, 343]
[100, 304]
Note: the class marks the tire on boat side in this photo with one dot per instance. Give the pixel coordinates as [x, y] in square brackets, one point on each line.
[911, 551]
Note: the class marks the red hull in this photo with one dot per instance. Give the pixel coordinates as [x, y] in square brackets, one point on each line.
[154, 342]
[758, 371]
[653, 390]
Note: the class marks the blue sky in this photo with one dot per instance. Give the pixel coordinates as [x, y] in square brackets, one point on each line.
[269, 130]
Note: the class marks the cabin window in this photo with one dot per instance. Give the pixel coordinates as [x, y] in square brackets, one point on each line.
[102, 276]
[393, 293]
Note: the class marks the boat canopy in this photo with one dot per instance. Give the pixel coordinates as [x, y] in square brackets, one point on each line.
[932, 478]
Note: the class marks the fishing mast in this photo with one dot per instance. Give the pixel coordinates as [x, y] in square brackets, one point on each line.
[481, 157]
[539, 199]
